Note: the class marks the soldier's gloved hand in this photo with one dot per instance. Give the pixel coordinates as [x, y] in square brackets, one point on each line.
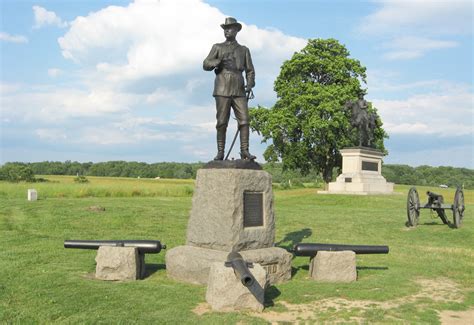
[248, 88]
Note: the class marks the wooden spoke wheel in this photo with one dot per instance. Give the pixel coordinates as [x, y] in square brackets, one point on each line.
[458, 207]
[413, 207]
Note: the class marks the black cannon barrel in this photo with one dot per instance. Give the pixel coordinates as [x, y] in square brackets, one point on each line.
[144, 246]
[307, 249]
[433, 194]
[241, 269]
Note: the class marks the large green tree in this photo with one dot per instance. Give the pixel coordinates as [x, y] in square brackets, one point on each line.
[308, 123]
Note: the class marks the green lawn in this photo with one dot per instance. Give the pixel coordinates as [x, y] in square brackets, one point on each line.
[429, 268]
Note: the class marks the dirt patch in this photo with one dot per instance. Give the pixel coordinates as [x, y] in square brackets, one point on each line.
[96, 208]
[202, 309]
[449, 317]
[440, 290]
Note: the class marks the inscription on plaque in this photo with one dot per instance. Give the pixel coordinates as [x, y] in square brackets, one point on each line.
[253, 209]
[271, 268]
[348, 179]
[369, 165]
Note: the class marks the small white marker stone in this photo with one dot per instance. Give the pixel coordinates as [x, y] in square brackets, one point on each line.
[32, 195]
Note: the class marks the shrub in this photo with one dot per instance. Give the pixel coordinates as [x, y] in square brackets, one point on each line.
[81, 179]
[17, 172]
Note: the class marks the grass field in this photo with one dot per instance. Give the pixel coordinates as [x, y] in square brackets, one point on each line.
[428, 274]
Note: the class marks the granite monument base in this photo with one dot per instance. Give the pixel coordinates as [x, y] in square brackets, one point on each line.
[192, 264]
[361, 173]
[232, 210]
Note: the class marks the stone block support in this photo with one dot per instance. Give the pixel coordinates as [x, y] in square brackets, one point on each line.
[334, 266]
[225, 292]
[119, 263]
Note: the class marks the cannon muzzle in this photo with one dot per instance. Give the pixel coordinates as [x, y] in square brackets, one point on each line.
[144, 246]
[240, 267]
[307, 249]
[434, 198]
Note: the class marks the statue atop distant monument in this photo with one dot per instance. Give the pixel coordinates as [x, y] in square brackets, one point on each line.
[363, 120]
[228, 60]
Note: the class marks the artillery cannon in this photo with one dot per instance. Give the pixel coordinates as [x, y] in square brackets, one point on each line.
[143, 247]
[311, 249]
[240, 266]
[435, 203]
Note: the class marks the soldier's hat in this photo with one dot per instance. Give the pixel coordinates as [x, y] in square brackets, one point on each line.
[231, 21]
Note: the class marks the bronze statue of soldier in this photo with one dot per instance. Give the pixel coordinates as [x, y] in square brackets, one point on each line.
[228, 60]
[363, 120]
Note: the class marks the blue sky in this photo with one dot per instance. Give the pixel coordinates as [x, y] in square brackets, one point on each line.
[123, 80]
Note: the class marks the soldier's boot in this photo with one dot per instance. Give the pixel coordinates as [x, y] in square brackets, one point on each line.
[220, 144]
[244, 143]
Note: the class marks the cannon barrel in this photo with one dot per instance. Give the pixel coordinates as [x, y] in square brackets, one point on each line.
[240, 267]
[434, 195]
[307, 249]
[144, 246]
[434, 199]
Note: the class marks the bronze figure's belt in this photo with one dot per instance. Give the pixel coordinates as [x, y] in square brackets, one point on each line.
[225, 70]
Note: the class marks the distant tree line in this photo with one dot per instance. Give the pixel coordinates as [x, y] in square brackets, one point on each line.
[399, 174]
[429, 176]
[17, 171]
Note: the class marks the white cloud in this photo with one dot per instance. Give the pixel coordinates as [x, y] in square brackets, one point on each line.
[63, 104]
[54, 72]
[44, 17]
[409, 47]
[104, 136]
[432, 17]
[6, 88]
[130, 130]
[447, 112]
[51, 134]
[412, 28]
[161, 38]
[13, 38]
[141, 81]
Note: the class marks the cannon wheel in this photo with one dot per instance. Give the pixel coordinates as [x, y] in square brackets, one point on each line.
[413, 207]
[458, 207]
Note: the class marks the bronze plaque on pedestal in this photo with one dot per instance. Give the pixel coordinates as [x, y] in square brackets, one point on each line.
[369, 165]
[253, 209]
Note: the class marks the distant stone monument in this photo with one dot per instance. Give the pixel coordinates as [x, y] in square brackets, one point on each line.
[362, 165]
[232, 209]
[361, 173]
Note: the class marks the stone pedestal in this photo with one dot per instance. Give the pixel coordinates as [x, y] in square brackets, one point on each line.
[232, 210]
[226, 293]
[361, 173]
[192, 264]
[334, 266]
[119, 263]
